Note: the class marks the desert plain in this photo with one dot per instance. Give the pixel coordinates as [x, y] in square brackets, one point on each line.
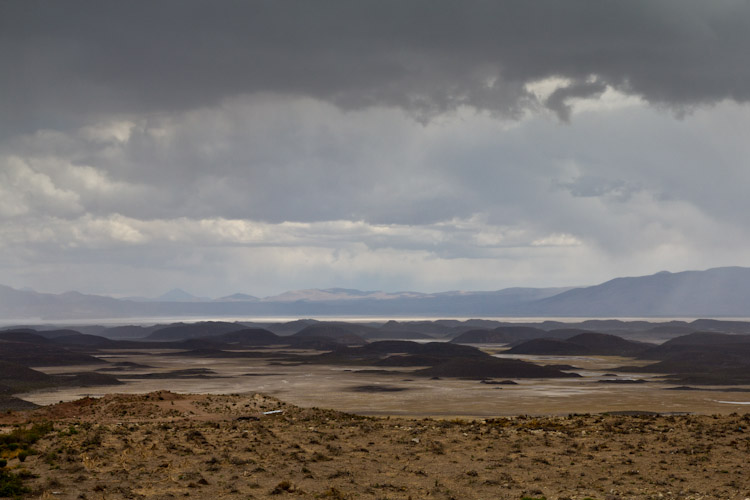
[263, 422]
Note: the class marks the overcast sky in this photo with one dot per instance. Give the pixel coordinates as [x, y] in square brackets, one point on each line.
[262, 146]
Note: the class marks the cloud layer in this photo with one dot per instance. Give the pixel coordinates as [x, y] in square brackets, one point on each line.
[263, 146]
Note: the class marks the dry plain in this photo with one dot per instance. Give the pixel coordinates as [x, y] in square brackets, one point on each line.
[340, 431]
[346, 388]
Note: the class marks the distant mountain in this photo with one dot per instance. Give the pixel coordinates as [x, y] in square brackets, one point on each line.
[238, 297]
[178, 295]
[19, 304]
[720, 292]
[336, 294]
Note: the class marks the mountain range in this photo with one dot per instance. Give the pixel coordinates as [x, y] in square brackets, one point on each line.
[719, 292]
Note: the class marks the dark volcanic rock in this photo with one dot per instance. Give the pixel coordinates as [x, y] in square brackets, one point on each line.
[589, 343]
[605, 344]
[549, 347]
[218, 353]
[396, 334]
[342, 334]
[491, 367]
[500, 335]
[377, 388]
[443, 349]
[707, 338]
[24, 335]
[84, 340]
[179, 374]
[251, 337]
[85, 379]
[719, 364]
[182, 331]
[19, 378]
[27, 354]
[15, 378]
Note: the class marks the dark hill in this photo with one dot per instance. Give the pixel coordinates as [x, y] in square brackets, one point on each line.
[697, 341]
[24, 335]
[409, 360]
[51, 334]
[672, 329]
[401, 351]
[341, 333]
[82, 339]
[491, 367]
[290, 327]
[396, 334]
[316, 343]
[608, 345]
[444, 349]
[500, 335]
[129, 331]
[16, 378]
[718, 325]
[431, 328]
[726, 364]
[209, 352]
[565, 333]
[42, 355]
[708, 338]
[551, 347]
[182, 331]
[589, 343]
[251, 337]
[20, 378]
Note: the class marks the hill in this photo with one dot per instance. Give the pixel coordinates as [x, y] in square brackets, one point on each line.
[716, 292]
[31, 354]
[250, 337]
[443, 359]
[587, 343]
[166, 445]
[705, 358]
[182, 331]
[340, 333]
[508, 335]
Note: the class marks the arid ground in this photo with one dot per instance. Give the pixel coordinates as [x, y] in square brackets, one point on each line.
[164, 445]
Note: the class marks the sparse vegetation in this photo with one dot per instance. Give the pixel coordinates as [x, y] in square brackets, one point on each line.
[206, 451]
[11, 485]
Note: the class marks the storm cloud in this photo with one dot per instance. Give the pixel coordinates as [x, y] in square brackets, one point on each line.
[83, 58]
[259, 146]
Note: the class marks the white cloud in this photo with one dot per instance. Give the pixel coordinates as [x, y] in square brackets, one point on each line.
[264, 193]
[25, 190]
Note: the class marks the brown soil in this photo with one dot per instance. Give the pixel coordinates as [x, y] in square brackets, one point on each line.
[164, 445]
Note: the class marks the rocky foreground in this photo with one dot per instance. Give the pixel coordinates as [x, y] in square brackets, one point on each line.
[165, 445]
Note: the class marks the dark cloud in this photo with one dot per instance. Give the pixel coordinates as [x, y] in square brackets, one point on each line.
[68, 61]
[558, 101]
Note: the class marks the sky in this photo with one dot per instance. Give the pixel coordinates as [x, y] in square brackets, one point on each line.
[261, 146]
